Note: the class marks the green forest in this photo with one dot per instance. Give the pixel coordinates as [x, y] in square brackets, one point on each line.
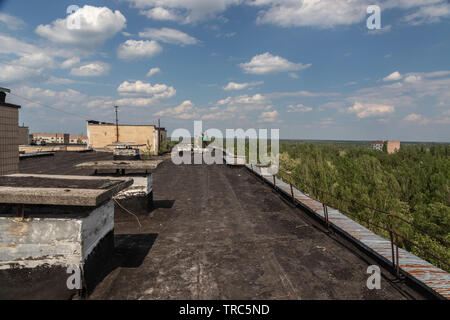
[413, 185]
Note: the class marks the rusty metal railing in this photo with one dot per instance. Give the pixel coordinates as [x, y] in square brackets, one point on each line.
[394, 234]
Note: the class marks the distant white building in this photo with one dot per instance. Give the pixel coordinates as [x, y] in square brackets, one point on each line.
[78, 139]
[391, 146]
[377, 145]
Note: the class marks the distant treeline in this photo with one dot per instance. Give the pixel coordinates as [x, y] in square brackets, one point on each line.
[413, 184]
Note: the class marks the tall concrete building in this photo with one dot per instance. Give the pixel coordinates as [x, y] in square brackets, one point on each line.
[393, 146]
[377, 145]
[9, 127]
[23, 135]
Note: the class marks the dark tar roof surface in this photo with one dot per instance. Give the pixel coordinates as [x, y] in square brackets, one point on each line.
[220, 233]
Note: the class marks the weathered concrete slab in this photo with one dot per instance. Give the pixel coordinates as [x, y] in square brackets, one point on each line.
[36, 251]
[31, 242]
[35, 155]
[59, 190]
[142, 186]
[120, 165]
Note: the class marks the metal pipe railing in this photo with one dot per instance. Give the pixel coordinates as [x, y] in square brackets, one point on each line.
[394, 235]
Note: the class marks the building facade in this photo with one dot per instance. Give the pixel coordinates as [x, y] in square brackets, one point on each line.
[101, 135]
[23, 135]
[393, 146]
[78, 139]
[54, 138]
[377, 145]
[59, 138]
[9, 124]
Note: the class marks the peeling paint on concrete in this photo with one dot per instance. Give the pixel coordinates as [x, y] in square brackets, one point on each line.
[52, 241]
[142, 186]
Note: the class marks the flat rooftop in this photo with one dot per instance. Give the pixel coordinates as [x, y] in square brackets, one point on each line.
[220, 233]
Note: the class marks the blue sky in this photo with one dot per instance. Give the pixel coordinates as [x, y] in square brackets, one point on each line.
[310, 68]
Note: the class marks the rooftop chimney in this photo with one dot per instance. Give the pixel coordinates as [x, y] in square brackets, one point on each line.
[3, 92]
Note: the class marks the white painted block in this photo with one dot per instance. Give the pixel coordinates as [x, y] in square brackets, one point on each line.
[32, 242]
[142, 186]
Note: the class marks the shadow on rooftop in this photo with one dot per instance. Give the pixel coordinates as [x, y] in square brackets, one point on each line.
[130, 250]
[163, 204]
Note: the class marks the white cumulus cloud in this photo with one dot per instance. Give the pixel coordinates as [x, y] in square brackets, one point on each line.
[153, 71]
[132, 49]
[429, 14]
[186, 110]
[182, 10]
[168, 35]
[142, 88]
[267, 63]
[161, 14]
[414, 117]
[299, 108]
[370, 110]
[14, 73]
[268, 116]
[233, 86]
[93, 69]
[321, 14]
[69, 63]
[96, 25]
[393, 77]
[412, 78]
[11, 22]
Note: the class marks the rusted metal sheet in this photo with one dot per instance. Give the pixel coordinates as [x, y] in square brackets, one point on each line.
[416, 268]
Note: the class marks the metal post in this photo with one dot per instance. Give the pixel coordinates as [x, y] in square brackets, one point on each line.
[117, 124]
[392, 242]
[274, 181]
[325, 214]
[292, 193]
[159, 135]
[397, 258]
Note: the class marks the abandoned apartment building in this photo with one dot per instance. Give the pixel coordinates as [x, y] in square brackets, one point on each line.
[391, 146]
[150, 229]
[103, 135]
[9, 150]
[59, 138]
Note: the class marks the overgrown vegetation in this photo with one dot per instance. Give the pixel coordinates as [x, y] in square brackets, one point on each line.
[412, 184]
[166, 146]
[147, 153]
